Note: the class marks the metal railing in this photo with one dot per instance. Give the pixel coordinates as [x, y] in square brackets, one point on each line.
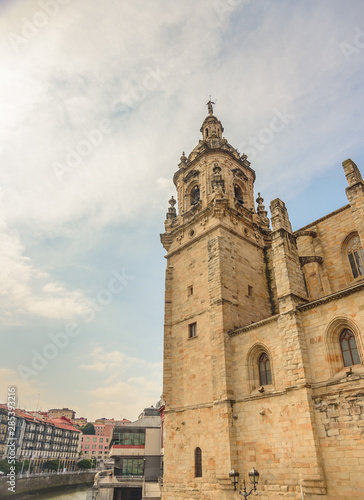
[54, 473]
[129, 479]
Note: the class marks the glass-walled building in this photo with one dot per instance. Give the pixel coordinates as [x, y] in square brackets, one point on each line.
[136, 451]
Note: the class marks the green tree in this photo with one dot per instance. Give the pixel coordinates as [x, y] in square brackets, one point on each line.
[5, 466]
[88, 429]
[51, 465]
[84, 464]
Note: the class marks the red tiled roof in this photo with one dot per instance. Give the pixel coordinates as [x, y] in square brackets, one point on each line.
[60, 422]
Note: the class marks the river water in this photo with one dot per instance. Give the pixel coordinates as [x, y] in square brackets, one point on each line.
[80, 494]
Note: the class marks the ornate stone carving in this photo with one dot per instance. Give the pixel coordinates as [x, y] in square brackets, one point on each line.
[166, 240]
[172, 212]
[261, 211]
[239, 173]
[191, 175]
[217, 182]
[183, 163]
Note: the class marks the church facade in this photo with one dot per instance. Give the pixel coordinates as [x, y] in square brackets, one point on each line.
[264, 334]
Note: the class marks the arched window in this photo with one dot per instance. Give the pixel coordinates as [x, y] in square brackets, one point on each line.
[238, 194]
[207, 132]
[198, 462]
[195, 195]
[349, 348]
[356, 256]
[265, 376]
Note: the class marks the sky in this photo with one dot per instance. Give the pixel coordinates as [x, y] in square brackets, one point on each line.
[98, 101]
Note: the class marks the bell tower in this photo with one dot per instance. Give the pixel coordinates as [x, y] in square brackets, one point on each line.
[218, 278]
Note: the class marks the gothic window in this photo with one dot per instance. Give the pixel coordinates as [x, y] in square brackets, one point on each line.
[195, 195]
[349, 348]
[356, 256]
[198, 462]
[265, 376]
[238, 194]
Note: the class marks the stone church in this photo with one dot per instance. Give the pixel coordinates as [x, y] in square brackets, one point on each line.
[264, 336]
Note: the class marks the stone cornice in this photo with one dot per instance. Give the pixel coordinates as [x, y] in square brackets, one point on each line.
[188, 318]
[359, 183]
[273, 393]
[331, 214]
[340, 381]
[295, 297]
[331, 297]
[300, 233]
[207, 211]
[252, 326]
[308, 259]
[210, 404]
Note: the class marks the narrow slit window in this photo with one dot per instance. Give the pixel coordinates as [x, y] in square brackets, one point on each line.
[198, 462]
[192, 330]
[190, 290]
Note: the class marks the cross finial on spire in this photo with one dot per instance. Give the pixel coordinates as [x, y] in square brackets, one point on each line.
[209, 107]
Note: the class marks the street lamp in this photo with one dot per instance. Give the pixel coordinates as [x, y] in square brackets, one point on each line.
[253, 476]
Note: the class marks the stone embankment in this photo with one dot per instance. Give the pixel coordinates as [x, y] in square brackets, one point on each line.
[41, 483]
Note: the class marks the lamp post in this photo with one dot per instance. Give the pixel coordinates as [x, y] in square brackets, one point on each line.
[253, 476]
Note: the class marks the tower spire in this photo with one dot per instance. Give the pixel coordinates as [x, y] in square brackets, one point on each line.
[209, 106]
[211, 128]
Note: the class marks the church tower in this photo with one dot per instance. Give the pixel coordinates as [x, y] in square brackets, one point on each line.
[219, 277]
[263, 336]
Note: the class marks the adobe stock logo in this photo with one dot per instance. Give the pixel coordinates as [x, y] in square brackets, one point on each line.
[224, 8]
[85, 147]
[32, 26]
[121, 109]
[60, 340]
[356, 47]
[265, 136]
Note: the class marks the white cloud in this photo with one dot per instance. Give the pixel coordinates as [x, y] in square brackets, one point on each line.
[129, 383]
[149, 68]
[124, 399]
[118, 362]
[62, 99]
[24, 288]
[27, 393]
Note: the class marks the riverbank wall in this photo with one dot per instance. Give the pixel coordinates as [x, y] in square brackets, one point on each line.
[44, 483]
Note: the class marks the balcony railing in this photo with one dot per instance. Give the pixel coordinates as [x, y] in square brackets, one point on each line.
[132, 479]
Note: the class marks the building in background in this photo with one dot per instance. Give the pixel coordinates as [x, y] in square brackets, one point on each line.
[61, 412]
[95, 447]
[3, 429]
[79, 421]
[135, 448]
[105, 426]
[40, 439]
[264, 336]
